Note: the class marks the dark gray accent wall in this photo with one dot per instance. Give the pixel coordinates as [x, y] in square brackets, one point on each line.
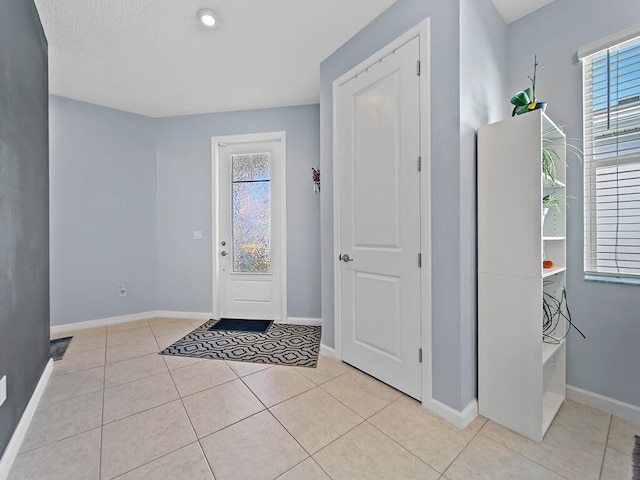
[24, 208]
[607, 361]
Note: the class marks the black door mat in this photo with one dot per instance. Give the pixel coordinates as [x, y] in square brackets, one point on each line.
[242, 325]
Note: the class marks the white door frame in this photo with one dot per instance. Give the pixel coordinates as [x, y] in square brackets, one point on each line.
[215, 202]
[422, 32]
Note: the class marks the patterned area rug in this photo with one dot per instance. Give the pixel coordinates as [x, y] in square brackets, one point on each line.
[282, 344]
[58, 346]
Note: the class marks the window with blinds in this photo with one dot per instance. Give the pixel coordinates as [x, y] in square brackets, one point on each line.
[612, 160]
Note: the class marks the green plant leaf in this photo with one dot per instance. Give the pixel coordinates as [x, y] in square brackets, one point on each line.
[521, 99]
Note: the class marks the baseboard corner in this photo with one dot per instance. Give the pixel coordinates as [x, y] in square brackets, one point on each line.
[458, 418]
[327, 351]
[13, 447]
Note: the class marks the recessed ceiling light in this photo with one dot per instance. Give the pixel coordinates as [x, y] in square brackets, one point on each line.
[207, 17]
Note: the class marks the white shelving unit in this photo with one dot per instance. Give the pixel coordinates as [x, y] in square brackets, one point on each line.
[521, 382]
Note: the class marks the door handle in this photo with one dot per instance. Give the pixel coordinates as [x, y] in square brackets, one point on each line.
[345, 258]
[223, 253]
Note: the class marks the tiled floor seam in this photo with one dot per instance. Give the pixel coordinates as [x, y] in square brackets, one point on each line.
[70, 398]
[134, 380]
[524, 456]
[48, 444]
[77, 371]
[360, 415]
[606, 445]
[406, 449]
[290, 433]
[444, 472]
[188, 417]
[104, 381]
[156, 459]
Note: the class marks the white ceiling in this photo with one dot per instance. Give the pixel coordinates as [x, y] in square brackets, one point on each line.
[512, 10]
[153, 57]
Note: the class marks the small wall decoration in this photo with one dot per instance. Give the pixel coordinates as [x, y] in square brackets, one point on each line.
[525, 101]
[316, 179]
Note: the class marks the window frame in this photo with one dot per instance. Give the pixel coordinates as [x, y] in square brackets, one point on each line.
[590, 243]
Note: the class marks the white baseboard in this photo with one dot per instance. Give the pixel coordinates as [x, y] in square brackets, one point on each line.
[610, 405]
[187, 315]
[11, 452]
[314, 322]
[328, 351]
[459, 419]
[102, 322]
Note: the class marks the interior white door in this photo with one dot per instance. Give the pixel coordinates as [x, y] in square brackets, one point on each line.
[249, 239]
[378, 145]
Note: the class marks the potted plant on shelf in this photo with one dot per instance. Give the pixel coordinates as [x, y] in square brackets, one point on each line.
[525, 100]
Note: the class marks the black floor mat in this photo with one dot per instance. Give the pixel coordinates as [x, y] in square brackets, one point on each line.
[242, 325]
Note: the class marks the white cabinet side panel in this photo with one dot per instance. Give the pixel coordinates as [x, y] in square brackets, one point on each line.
[510, 352]
[509, 197]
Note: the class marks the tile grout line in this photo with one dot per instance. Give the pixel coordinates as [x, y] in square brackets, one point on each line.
[404, 448]
[606, 445]
[464, 448]
[195, 434]
[276, 418]
[158, 458]
[524, 456]
[104, 380]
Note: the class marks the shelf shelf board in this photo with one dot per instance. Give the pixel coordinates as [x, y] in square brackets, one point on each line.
[549, 349]
[556, 184]
[553, 238]
[549, 272]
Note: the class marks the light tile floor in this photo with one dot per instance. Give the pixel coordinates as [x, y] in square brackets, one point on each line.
[114, 408]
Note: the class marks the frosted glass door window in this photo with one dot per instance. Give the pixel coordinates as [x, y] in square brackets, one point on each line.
[251, 212]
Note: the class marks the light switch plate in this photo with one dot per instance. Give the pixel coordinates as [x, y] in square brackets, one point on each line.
[3, 389]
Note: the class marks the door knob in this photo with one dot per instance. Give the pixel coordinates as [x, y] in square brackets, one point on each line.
[345, 258]
[223, 253]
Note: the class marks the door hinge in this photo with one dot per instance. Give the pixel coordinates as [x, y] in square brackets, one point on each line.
[419, 260]
[420, 355]
[419, 163]
[418, 68]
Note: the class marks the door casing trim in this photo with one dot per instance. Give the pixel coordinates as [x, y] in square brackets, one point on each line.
[215, 201]
[422, 31]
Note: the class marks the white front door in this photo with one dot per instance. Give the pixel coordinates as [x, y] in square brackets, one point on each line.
[249, 220]
[378, 145]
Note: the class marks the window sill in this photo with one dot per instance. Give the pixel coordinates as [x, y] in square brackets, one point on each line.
[606, 279]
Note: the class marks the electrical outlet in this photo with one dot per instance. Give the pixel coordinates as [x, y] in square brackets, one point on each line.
[3, 389]
[197, 235]
[123, 290]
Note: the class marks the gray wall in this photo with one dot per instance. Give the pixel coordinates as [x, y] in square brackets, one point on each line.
[127, 192]
[103, 212]
[184, 204]
[607, 361]
[468, 39]
[445, 151]
[484, 98]
[24, 208]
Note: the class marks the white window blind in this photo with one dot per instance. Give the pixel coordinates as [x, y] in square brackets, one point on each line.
[612, 160]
